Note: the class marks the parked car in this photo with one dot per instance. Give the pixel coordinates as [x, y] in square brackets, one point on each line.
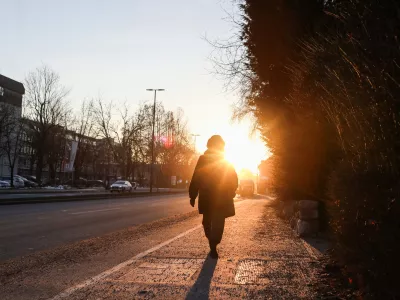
[135, 185]
[51, 182]
[18, 182]
[246, 187]
[77, 182]
[27, 183]
[32, 178]
[4, 184]
[121, 186]
[95, 183]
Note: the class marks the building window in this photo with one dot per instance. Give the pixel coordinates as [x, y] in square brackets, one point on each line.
[1, 91]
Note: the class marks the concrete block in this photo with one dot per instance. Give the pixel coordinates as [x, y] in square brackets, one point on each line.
[304, 228]
[308, 214]
[308, 204]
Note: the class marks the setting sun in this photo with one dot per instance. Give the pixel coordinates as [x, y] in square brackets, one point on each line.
[241, 149]
[246, 154]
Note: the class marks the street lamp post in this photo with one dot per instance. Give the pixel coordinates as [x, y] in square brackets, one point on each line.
[195, 139]
[152, 140]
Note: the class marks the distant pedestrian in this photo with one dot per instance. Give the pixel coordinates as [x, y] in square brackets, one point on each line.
[215, 182]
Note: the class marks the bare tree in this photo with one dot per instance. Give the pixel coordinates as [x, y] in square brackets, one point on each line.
[56, 152]
[103, 119]
[175, 153]
[129, 136]
[123, 135]
[85, 133]
[46, 108]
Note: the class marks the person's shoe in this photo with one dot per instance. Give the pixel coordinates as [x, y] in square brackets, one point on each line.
[214, 254]
[213, 250]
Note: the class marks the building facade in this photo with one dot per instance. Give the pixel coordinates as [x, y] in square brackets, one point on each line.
[11, 93]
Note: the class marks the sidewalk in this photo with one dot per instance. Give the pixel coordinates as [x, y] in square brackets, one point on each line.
[260, 258]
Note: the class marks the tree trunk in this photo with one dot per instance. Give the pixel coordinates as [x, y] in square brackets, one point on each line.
[31, 163]
[133, 171]
[52, 172]
[12, 175]
[94, 169]
[39, 166]
[77, 173]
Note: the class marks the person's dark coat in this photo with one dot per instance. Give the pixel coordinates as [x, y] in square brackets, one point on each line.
[215, 181]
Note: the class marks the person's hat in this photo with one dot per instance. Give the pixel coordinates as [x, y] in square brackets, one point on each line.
[216, 142]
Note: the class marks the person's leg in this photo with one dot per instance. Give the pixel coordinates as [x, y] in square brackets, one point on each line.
[217, 228]
[207, 225]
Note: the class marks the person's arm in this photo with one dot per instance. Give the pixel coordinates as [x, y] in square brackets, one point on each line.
[195, 184]
[234, 181]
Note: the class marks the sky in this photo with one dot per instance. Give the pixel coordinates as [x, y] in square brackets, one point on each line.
[117, 49]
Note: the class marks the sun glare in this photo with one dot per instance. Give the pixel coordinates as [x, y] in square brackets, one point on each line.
[243, 151]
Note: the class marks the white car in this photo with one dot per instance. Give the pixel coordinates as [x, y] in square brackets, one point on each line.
[121, 186]
[4, 184]
[18, 182]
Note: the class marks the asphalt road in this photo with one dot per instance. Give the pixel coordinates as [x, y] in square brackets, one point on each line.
[31, 227]
[27, 193]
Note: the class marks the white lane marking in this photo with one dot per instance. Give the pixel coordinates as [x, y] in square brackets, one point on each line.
[68, 292]
[92, 211]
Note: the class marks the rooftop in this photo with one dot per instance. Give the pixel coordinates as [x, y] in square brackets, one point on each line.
[12, 85]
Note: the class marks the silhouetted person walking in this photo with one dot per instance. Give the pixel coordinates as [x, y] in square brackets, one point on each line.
[215, 181]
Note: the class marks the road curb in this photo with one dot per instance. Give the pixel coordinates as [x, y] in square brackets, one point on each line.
[35, 200]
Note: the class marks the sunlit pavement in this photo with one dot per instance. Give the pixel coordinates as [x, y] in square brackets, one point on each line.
[260, 258]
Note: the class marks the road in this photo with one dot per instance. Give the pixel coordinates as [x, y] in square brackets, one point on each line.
[27, 228]
[48, 193]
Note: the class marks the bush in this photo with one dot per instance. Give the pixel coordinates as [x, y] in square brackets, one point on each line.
[325, 92]
[366, 226]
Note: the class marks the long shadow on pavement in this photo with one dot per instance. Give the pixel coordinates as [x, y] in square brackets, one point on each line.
[201, 288]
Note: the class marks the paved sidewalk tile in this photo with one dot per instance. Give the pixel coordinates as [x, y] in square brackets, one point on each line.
[260, 258]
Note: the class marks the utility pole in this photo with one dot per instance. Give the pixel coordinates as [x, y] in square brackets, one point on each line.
[195, 139]
[152, 136]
